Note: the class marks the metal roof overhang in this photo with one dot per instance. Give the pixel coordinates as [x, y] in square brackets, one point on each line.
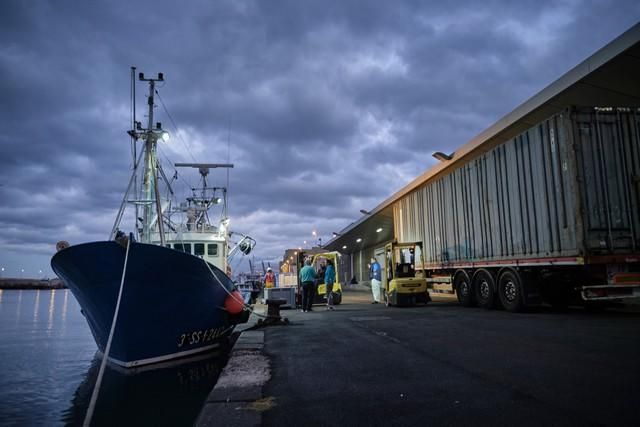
[608, 78]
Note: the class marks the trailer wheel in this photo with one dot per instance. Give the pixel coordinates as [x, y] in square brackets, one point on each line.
[337, 298]
[462, 286]
[485, 289]
[510, 291]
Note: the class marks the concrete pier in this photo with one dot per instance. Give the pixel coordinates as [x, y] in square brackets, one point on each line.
[440, 364]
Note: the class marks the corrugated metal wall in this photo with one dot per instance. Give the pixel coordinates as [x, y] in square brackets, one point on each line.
[520, 199]
[609, 159]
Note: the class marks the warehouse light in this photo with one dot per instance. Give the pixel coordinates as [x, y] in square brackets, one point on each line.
[379, 230]
[344, 247]
[441, 156]
[358, 240]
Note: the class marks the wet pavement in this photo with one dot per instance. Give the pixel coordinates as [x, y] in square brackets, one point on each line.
[440, 364]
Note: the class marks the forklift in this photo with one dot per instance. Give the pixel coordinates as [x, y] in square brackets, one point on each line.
[400, 284]
[321, 290]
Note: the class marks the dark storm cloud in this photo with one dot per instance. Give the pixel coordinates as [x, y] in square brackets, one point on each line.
[325, 108]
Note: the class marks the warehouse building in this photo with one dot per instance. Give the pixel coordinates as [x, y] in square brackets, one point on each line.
[463, 211]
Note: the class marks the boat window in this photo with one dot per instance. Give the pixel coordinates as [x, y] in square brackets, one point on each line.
[212, 249]
[198, 248]
[184, 247]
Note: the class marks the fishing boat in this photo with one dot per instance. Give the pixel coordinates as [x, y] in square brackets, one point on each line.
[165, 282]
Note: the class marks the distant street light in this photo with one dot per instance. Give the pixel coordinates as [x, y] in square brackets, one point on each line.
[315, 234]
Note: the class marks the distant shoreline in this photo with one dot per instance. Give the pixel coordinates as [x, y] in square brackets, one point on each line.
[13, 283]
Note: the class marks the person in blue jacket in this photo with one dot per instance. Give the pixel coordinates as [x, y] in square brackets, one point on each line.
[329, 280]
[308, 281]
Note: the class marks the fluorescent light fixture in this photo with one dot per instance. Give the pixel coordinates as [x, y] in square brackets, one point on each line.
[442, 157]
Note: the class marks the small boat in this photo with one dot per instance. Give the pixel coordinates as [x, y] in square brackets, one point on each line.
[177, 299]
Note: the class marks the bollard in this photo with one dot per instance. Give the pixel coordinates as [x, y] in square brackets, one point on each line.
[273, 313]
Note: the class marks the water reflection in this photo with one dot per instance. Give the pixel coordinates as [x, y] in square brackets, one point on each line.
[19, 306]
[36, 307]
[52, 299]
[48, 369]
[167, 395]
[63, 321]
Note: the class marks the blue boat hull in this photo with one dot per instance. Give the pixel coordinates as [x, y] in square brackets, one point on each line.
[171, 305]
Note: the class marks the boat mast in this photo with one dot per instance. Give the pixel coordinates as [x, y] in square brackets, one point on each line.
[150, 189]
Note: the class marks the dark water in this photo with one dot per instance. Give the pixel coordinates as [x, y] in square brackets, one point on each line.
[48, 368]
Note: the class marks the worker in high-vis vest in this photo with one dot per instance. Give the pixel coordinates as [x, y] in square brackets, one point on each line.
[269, 279]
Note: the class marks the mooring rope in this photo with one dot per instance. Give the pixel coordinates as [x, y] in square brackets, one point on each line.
[96, 387]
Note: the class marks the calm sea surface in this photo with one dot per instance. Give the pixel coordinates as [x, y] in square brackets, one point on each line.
[48, 367]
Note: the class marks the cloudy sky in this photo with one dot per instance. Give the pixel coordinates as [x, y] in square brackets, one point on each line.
[325, 107]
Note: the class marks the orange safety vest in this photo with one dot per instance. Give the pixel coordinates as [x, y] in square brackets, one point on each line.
[269, 280]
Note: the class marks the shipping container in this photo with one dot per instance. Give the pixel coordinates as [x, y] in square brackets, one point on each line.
[547, 214]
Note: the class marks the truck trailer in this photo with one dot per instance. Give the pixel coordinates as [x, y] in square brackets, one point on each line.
[549, 215]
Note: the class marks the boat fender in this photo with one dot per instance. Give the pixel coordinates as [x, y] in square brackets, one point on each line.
[234, 302]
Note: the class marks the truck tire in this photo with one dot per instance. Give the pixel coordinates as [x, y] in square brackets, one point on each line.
[464, 291]
[485, 289]
[510, 291]
[337, 298]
